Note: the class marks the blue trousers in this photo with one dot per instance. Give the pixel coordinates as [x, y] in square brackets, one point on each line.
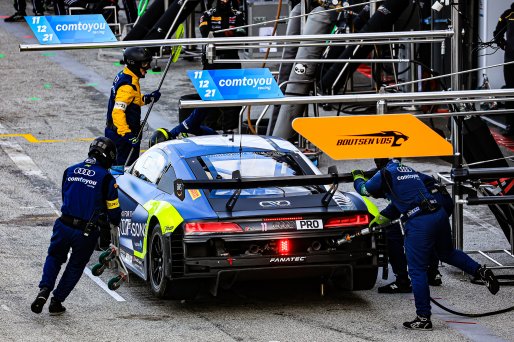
[423, 233]
[123, 147]
[82, 247]
[396, 253]
[193, 124]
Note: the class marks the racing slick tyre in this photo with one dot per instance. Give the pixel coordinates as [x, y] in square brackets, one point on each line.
[162, 286]
[364, 278]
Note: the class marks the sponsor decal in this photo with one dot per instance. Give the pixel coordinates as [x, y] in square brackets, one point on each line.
[84, 172]
[412, 176]
[309, 224]
[194, 193]
[90, 183]
[392, 138]
[113, 204]
[129, 228]
[275, 204]
[287, 259]
[372, 136]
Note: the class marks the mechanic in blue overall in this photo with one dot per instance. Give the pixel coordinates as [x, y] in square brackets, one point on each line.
[191, 125]
[426, 226]
[395, 240]
[124, 109]
[88, 191]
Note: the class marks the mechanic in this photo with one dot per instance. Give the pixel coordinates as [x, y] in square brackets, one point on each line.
[321, 20]
[395, 241]
[191, 125]
[124, 109]
[426, 227]
[505, 28]
[88, 191]
[20, 6]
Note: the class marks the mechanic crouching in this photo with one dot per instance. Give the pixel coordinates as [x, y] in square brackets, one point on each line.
[88, 192]
[395, 241]
[426, 226]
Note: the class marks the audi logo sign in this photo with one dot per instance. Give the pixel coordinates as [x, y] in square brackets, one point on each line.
[84, 172]
[274, 204]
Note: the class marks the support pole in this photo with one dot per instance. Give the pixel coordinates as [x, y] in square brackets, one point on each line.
[456, 128]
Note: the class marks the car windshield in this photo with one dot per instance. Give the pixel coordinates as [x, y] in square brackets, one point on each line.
[252, 165]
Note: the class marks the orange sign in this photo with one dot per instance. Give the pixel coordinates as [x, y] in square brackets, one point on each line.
[372, 136]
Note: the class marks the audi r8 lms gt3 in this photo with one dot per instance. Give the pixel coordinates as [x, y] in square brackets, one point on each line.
[213, 210]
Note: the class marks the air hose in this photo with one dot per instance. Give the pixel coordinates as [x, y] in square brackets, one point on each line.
[490, 313]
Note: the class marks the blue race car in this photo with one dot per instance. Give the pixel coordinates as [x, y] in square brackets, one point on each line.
[212, 210]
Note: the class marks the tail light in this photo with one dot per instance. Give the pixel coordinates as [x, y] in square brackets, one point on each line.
[348, 221]
[283, 246]
[212, 227]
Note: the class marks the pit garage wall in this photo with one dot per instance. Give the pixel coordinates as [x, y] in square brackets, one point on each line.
[488, 13]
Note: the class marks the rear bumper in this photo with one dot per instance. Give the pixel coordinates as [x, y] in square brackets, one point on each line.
[224, 272]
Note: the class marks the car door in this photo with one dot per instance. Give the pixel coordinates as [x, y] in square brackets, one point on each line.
[136, 188]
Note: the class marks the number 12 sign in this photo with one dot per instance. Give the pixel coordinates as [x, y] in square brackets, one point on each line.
[234, 84]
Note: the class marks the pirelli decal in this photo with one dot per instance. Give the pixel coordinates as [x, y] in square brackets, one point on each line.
[373, 136]
[113, 204]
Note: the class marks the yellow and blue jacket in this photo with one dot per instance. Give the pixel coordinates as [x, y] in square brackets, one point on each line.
[124, 109]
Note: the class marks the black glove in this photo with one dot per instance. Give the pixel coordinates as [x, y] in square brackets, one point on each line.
[501, 42]
[153, 96]
[132, 139]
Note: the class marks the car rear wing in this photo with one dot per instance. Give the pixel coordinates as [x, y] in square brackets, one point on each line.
[237, 183]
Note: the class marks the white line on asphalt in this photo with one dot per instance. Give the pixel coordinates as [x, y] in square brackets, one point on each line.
[100, 283]
[29, 168]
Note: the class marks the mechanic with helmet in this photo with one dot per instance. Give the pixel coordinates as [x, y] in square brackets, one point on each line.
[191, 125]
[395, 241]
[88, 191]
[426, 226]
[124, 109]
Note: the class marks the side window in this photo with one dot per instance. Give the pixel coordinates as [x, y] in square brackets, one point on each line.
[150, 166]
[167, 179]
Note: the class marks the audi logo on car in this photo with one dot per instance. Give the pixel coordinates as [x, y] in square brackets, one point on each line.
[84, 172]
[272, 204]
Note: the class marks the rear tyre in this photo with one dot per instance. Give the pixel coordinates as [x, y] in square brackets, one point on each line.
[364, 278]
[161, 285]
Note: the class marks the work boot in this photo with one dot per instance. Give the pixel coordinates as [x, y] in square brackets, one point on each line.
[419, 323]
[396, 287]
[489, 278]
[55, 308]
[434, 278]
[16, 17]
[39, 302]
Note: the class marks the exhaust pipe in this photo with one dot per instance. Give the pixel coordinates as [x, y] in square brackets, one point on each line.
[315, 246]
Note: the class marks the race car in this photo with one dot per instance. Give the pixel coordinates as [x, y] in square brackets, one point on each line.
[213, 210]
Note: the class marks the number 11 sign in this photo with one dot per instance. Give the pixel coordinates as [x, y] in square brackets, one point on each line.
[234, 84]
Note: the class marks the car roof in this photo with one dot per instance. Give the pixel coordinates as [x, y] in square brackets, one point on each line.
[225, 143]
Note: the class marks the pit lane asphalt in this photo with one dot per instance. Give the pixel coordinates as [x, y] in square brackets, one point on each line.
[71, 108]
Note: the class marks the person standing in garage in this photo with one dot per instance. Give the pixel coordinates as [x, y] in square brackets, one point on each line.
[504, 38]
[88, 191]
[426, 226]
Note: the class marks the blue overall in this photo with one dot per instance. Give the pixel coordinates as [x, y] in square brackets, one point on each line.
[426, 226]
[395, 241]
[193, 124]
[88, 189]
